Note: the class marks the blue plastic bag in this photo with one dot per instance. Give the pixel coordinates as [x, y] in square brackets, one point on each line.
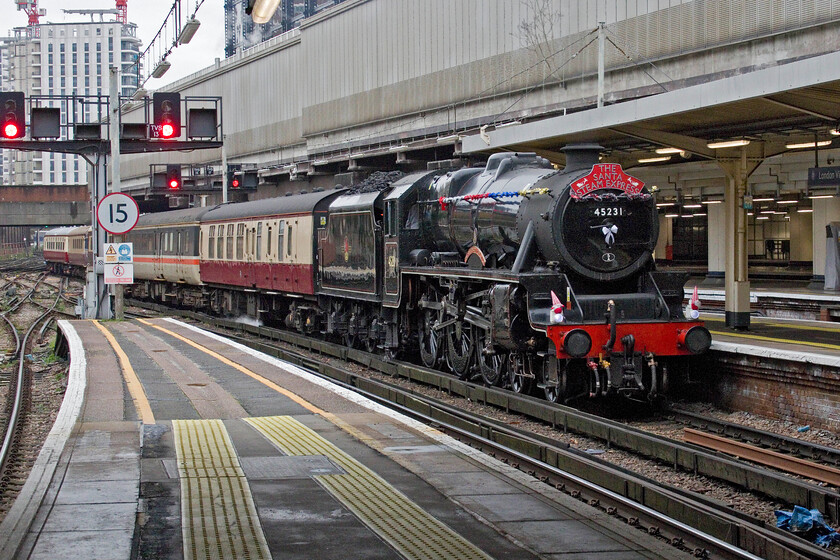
[808, 524]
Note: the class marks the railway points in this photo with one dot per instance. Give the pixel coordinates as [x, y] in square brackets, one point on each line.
[330, 474]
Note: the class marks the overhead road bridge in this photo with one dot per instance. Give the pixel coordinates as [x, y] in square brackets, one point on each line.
[44, 205]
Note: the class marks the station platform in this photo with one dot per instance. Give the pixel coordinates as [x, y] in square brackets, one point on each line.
[174, 443]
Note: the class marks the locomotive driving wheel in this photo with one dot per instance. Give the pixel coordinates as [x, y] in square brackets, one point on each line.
[430, 337]
[460, 342]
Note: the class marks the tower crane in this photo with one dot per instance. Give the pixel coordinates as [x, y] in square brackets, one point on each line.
[31, 9]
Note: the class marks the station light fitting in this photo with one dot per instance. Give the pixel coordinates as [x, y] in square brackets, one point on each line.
[700, 214]
[770, 199]
[786, 201]
[139, 94]
[800, 145]
[728, 144]
[835, 131]
[672, 215]
[805, 210]
[188, 30]
[664, 151]
[655, 159]
[665, 204]
[161, 68]
[261, 11]
[713, 201]
[762, 217]
[817, 196]
[692, 206]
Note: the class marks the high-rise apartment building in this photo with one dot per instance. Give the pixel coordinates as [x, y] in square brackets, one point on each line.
[64, 59]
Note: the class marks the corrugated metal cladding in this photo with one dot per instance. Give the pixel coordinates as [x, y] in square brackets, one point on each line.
[370, 60]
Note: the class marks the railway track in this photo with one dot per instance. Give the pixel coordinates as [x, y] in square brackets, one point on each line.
[553, 461]
[18, 420]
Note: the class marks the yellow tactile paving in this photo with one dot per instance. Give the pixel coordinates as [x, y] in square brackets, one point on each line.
[218, 516]
[411, 531]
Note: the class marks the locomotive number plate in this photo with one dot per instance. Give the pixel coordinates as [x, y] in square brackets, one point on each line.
[607, 211]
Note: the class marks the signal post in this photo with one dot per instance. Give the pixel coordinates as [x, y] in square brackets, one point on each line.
[165, 132]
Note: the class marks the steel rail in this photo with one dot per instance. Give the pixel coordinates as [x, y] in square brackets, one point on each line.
[777, 442]
[793, 465]
[20, 388]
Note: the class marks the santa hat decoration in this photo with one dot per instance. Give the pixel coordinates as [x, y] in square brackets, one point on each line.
[692, 310]
[556, 309]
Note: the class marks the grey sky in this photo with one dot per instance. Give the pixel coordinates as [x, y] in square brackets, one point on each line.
[206, 46]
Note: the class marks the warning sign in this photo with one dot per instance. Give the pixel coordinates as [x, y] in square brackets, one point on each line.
[119, 273]
[119, 253]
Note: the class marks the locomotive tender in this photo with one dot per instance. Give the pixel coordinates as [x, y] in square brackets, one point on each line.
[517, 272]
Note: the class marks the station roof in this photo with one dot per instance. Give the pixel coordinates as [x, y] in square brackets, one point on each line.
[771, 107]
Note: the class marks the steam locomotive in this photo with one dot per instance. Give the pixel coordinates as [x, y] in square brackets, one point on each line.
[517, 273]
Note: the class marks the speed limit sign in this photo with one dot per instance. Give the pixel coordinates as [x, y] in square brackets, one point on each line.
[117, 213]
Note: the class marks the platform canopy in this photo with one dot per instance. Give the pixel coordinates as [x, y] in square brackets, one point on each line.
[772, 107]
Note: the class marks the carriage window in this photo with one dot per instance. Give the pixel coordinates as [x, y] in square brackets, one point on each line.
[268, 243]
[289, 241]
[240, 240]
[259, 241]
[180, 247]
[229, 242]
[281, 230]
[211, 246]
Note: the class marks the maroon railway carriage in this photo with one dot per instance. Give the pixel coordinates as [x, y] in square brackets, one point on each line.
[267, 244]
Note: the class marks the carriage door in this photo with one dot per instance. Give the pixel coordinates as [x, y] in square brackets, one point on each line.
[392, 250]
[159, 250]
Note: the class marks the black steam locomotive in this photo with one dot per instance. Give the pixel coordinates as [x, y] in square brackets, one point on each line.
[516, 272]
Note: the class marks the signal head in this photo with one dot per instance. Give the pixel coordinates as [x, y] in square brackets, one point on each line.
[13, 117]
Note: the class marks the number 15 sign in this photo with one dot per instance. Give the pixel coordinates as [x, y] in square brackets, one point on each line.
[117, 213]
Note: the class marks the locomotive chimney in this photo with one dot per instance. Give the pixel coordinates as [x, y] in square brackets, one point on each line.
[581, 156]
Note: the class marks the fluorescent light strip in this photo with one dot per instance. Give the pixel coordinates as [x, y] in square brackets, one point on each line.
[664, 204]
[763, 199]
[805, 210]
[820, 144]
[692, 206]
[711, 202]
[786, 201]
[817, 196]
[669, 151]
[728, 144]
[654, 159]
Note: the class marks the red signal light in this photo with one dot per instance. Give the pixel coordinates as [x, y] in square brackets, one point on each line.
[235, 183]
[167, 130]
[173, 184]
[10, 130]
